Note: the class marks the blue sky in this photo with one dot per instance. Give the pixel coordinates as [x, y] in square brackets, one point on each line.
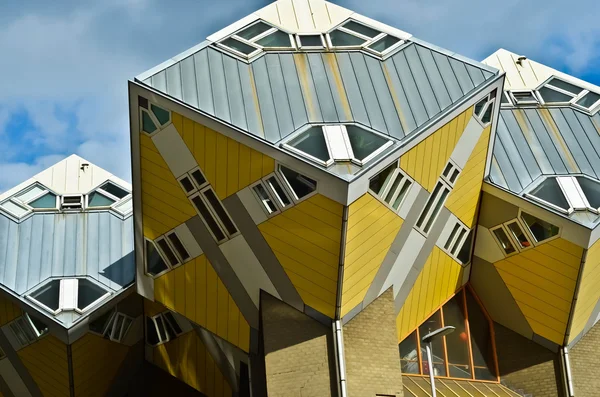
[64, 68]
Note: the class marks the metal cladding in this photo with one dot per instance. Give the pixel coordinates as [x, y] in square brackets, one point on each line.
[278, 93]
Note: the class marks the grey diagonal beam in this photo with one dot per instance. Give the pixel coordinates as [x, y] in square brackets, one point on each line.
[213, 348]
[224, 270]
[6, 391]
[263, 252]
[18, 365]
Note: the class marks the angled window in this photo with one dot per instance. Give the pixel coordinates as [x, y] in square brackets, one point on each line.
[311, 143]
[539, 229]
[36, 197]
[214, 215]
[192, 181]
[560, 92]
[391, 185]
[450, 173]
[251, 40]
[549, 192]
[155, 264]
[163, 116]
[524, 97]
[589, 101]
[383, 44]
[591, 190]
[71, 202]
[147, 123]
[26, 330]
[356, 35]
[152, 117]
[310, 41]
[77, 294]
[208, 218]
[48, 296]
[484, 108]
[260, 191]
[101, 324]
[97, 199]
[179, 248]
[379, 182]
[219, 210]
[503, 240]
[112, 325]
[558, 84]
[464, 255]
[299, 185]
[434, 204]
[168, 253]
[15, 208]
[162, 328]
[186, 184]
[518, 235]
[505, 99]
[280, 195]
[88, 293]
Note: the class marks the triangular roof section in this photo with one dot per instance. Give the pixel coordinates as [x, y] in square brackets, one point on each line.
[278, 92]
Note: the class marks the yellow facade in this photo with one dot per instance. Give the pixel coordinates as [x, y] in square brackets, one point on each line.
[371, 230]
[46, 360]
[306, 241]
[542, 281]
[8, 310]
[96, 362]
[187, 358]
[195, 291]
[426, 161]
[440, 278]
[589, 293]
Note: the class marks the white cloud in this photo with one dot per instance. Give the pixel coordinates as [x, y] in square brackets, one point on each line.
[14, 173]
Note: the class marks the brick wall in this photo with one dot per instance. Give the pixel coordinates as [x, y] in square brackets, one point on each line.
[371, 350]
[526, 366]
[585, 364]
[298, 352]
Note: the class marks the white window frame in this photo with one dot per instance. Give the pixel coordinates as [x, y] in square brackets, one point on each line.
[103, 192]
[405, 180]
[68, 295]
[253, 41]
[428, 213]
[449, 175]
[456, 239]
[273, 193]
[574, 97]
[165, 322]
[364, 46]
[44, 191]
[508, 98]
[527, 102]
[20, 322]
[159, 126]
[164, 255]
[571, 190]
[120, 331]
[72, 206]
[160, 253]
[308, 47]
[263, 205]
[490, 100]
[508, 235]
[28, 210]
[533, 197]
[515, 240]
[288, 186]
[178, 254]
[201, 195]
[525, 227]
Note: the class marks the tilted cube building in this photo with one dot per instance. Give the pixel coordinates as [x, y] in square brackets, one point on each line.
[313, 193]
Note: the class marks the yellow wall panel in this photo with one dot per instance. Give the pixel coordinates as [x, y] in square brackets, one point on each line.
[463, 199]
[96, 361]
[187, 358]
[542, 281]
[195, 291]
[440, 278]
[589, 293]
[228, 165]
[164, 204]
[8, 310]
[306, 241]
[371, 230]
[425, 162]
[46, 361]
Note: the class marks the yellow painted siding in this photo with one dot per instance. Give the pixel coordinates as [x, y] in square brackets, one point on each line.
[306, 241]
[542, 281]
[229, 166]
[195, 291]
[589, 293]
[425, 162]
[96, 361]
[46, 361]
[164, 203]
[439, 280]
[464, 198]
[8, 310]
[187, 359]
[371, 230]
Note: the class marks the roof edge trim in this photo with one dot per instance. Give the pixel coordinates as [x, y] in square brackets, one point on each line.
[169, 62]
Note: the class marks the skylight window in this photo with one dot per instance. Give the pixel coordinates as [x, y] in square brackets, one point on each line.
[310, 41]
[259, 36]
[560, 92]
[539, 229]
[35, 197]
[300, 185]
[338, 143]
[106, 195]
[525, 97]
[26, 330]
[154, 118]
[68, 294]
[549, 192]
[355, 35]
[568, 193]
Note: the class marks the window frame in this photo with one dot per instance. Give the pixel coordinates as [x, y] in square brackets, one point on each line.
[571, 194]
[574, 97]
[71, 206]
[261, 200]
[455, 241]
[62, 295]
[253, 41]
[525, 230]
[201, 195]
[166, 262]
[21, 321]
[44, 191]
[288, 186]
[406, 180]
[525, 227]
[368, 40]
[448, 173]
[103, 192]
[490, 101]
[298, 38]
[182, 260]
[554, 207]
[165, 322]
[508, 235]
[164, 254]
[527, 102]
[158, 124]
[427, 214]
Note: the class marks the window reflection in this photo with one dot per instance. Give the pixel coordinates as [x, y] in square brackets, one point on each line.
[437, 346]
[457, 342]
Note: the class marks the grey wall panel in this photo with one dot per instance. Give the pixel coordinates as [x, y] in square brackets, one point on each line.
[234, 93]
[35, 255]
[69, 258]
[434, 76]
[548, 145]
[308, 88]
[336, 86]
[410, 89]
[293, 90]
[219, 86]
[47, 248]
[476, 74]
[593, 133]
[513, 157]
[462, 75]
[506, 166]
[277, 86]
[496, 176]
[405, 114]
[386, 103]
[520, 144]
[159, 81]
[265, 99]
[424, 86]
[10, 270]
[448, 76]
[573, 146]
[531, 139]
[4, 235]
[368, 92]
[204, 88]
[103, 242]
[174, 81]
[79, 268]
[25, 248]
[324, 95]
[357, 105]
[582, 139]
[250, 97]
[188, 82]
[59, 245]
[93, 239]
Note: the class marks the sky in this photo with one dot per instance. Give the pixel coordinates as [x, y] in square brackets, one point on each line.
[64, 65]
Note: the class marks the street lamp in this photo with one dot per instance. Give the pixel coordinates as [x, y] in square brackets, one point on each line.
[427, 339]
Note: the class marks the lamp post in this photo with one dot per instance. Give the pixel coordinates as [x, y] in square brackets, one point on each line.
[427, 339]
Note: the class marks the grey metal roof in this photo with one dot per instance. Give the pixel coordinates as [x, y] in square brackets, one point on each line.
[544, 141]
[94, 244]
[278, 93]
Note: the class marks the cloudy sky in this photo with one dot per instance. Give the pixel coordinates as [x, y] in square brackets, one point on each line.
[64, 67]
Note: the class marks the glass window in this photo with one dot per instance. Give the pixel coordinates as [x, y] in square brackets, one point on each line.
[457, 342]
[479, 106]
[39, 326]
[277, 39]
[390, 194]
[436, 209]
[384, 43]
[99, 324]
[437, 346]
[481, 340]
[504, 241]
[208, 218]
[405, 185]
[541, 230]
[550, 192]
[451, 237]
[343, 39]
[565, 86]
[147, 123]
[518, 234]
[280, 194]
[151, 333]
[178, 245]
[588, 100]
[164, 246]
[88, 293]
[187, 184]
[262, 194]
[409, 357]
[524, 97]
[175, 328]
[199, 178]
[238, 46]
[590, 188]
[161, 114]
[16, 209]
[115, 190]
[30, 193]
[464, 255]
[254, 30]
[504, 98]
[361, 29]
[154, 262]
[311, 41]
[48, 295]
[300, 185]
[312, 142]
[363, 143]
[380, 181]
[487, 116]
[552, 96]
[220, 211]
[48, 200]
[97, 199]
